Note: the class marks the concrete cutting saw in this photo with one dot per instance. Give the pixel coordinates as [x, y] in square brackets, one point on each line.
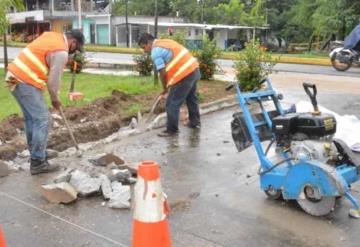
[310, 165]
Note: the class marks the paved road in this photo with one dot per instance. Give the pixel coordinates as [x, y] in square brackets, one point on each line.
[213, 190]
[128, 58]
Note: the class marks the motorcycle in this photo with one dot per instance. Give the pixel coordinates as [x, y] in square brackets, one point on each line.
[342, 59]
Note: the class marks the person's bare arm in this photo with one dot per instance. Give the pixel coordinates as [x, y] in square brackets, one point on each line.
[162, 75]
[56, 62]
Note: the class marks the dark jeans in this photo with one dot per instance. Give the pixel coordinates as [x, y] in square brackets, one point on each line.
[36, 118]
[185, 90]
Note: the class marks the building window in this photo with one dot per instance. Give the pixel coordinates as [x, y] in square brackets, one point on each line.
[189, 33]
[196, 32]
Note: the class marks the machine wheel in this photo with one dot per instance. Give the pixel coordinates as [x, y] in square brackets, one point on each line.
[338, 64]
[273, 194]
[314, 204]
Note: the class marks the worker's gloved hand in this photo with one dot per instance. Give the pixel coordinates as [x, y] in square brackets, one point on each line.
[56, 104]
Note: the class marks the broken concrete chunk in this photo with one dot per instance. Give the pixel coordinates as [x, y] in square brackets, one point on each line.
[106, 160]
[64, 176]
[56, 116]
[133, 124]
[59, 193]
[84, 184]
[120, 175]
[87, 187]
[4, 169]
[112, 166]
[120, 197]
[24, 154]
[133, 171]
[105, 186]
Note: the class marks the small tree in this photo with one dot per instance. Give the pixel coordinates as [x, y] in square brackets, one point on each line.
[4, 23]
[253, 65]
[144, 64]
[206, 57]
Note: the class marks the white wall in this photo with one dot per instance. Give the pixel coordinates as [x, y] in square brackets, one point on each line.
[20, 16]
[221, 36]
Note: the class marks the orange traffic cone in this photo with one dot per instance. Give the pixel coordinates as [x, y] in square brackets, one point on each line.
[150, 227]
[2, 238]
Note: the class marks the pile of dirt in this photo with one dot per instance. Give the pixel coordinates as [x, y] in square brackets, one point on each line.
[93, 121]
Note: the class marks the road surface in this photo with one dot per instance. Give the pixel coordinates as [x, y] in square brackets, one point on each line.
[126, 58]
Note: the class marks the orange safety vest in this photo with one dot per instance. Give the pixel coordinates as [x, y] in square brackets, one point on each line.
[182, 63]
[30, 65]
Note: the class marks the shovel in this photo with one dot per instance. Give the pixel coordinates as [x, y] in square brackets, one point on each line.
[143, 122]
[78, 151]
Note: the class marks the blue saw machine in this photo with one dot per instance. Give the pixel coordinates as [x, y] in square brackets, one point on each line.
[312, 167]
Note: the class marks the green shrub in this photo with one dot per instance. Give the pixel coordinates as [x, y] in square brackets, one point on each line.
[144, 64]
[253, 65]
[177, 36]
[81, 62]
[206, 57]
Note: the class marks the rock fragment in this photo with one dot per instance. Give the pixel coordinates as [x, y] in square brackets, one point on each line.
[120, 197]
[65, 176]
[106, 160]
[84, 184]
[120, 175]
[24, 154]
[105, 186]
[59, 193]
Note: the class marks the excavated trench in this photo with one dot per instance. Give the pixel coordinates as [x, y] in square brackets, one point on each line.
[91, 122]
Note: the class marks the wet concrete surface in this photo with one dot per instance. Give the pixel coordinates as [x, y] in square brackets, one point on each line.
[214, 192]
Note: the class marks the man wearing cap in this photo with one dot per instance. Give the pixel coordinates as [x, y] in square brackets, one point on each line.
[179, 73]
[39, 66]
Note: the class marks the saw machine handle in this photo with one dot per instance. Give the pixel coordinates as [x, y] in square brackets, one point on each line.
[312, 96]
[230, 86]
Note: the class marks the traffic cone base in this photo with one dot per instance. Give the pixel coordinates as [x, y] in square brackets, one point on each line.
[2, 238]
[151, 234]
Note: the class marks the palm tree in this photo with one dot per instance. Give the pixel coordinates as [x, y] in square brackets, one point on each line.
[4, 23]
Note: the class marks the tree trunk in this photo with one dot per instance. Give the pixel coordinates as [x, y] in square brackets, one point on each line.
[127, 23]
[5, 54]
[310, 42]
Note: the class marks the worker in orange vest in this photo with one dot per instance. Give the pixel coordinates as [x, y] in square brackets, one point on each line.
[39, 66]
[179, 73]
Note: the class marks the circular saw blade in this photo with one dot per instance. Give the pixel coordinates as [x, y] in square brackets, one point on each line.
[317, 208]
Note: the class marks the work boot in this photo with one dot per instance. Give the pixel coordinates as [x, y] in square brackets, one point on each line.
[38, 166]
[167, 133]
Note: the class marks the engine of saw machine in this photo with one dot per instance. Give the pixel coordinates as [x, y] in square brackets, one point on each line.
[307, 133]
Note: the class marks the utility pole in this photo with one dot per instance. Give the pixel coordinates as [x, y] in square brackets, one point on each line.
[156, 19]
[79, 13]
[202, 2]
[127, 23]
[156, 76]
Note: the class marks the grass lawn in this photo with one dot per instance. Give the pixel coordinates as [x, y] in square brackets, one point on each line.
[93, 86]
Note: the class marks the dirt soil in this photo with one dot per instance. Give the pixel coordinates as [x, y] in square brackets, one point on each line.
[93, 121]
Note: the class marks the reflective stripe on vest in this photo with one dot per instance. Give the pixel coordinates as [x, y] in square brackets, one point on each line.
[28, 71]
[185, 66]
[176, 59]
[35, 61]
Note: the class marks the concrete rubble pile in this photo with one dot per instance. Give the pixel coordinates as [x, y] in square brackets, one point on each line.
[113, 184]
